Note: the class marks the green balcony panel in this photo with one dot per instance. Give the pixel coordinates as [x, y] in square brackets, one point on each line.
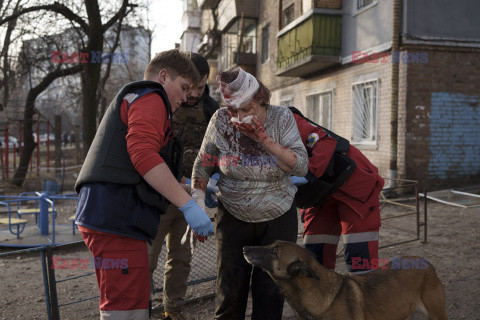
[313, 44]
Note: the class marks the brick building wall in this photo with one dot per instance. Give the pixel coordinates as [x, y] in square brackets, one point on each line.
[402, 127]
[341, 81]
[268, 15]
[443, 117]
[439, 103]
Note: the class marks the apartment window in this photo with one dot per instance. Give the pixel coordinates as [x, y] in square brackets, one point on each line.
[319, 109]
[363, 3]
[365, 112]
[286, 102]
[265, 44]
[288, 15]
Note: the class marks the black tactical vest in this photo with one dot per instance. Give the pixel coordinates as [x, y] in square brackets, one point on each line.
[191, 123]
[108, 159]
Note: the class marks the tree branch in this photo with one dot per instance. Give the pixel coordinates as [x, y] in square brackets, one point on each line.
[55, 7]
[49, 78]
[119, 13]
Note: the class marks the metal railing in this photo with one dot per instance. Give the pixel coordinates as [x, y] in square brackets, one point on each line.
[407, 187]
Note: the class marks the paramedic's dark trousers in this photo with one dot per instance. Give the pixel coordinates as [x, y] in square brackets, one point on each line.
[234, 273]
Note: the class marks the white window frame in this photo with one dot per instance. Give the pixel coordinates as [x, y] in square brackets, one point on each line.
[292, 6]
[357, 11]
[372, 138]
[329, 124]
[267, 25]
[284, 99]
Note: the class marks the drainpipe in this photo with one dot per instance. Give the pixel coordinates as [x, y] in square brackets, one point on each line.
[397, 5]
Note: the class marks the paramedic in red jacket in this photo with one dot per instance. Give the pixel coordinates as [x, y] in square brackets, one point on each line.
[351, 212]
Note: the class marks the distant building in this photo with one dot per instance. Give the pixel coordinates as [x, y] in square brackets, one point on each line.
[343, 65]
[191, 20]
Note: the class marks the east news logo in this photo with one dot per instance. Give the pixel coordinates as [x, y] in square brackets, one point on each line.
[398, 263]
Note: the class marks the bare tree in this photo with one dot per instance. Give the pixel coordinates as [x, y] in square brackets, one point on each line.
[41, 75]
[87, 22]
[7, 73]
[94, 30]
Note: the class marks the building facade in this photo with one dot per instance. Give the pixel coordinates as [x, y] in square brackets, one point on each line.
[398, 78]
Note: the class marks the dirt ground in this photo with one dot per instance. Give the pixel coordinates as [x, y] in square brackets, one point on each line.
[453, 247]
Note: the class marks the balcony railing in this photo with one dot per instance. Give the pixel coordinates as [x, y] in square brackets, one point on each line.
[234, 55]
[311, 45]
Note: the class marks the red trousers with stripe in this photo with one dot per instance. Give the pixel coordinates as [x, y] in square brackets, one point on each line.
[123, 277]
[324, 225]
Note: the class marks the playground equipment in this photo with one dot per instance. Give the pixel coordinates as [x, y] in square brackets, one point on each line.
[44, 230]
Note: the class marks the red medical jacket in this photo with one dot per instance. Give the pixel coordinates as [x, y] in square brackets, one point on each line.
[361, 189]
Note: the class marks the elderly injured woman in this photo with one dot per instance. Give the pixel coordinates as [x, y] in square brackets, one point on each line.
[257, 148]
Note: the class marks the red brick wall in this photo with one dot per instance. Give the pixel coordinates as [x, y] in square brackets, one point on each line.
[434, 147]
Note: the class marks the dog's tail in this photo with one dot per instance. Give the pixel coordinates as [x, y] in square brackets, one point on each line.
[433, 295]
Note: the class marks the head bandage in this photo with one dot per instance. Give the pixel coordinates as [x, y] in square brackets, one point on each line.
[241, 90]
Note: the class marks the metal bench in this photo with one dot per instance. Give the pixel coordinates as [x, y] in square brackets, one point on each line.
[36, 210]
[12, 222]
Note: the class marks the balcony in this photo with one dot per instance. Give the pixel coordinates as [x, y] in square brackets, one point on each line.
[231, 10]
[209, 46]
[309, 44]
[239, 46]
[234, 55]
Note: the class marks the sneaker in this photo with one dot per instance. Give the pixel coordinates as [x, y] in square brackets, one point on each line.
[173, 316]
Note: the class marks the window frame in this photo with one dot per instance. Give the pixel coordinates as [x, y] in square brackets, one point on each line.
[262, 56]
[357, 10]
[286, 98]
[292, 7]
[372, 140]
[320, 95]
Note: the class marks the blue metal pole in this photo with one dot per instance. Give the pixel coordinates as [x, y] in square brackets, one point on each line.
[43, 221]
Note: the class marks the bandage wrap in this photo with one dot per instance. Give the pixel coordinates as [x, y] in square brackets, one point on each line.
[199, 196]
[247, 120]
[241, 90]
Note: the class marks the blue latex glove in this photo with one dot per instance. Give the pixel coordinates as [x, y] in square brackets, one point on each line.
[298, 181]
[188, 182]
[197, 219]
[209, 200]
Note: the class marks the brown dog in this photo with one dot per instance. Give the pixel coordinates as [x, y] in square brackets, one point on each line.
[317, 293]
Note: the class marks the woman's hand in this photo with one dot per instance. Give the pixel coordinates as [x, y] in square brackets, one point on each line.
[253, 130]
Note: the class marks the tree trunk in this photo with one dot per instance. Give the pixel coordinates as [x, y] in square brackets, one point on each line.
[58, 145]
[91, 74]
[76, 134]
[29, 144]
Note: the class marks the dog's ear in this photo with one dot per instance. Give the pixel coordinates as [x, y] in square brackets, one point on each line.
[301, 269]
